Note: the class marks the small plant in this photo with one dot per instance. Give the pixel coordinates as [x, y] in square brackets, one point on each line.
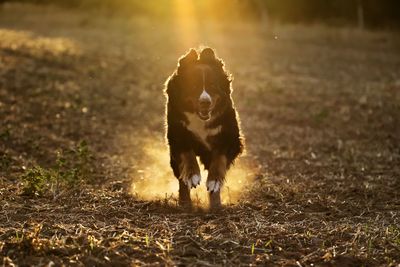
[269, 243]
[5, 161]
[19, 237]
[72, 168]
[5, 135]
[36, 180]
[321, 115]
[92, 241]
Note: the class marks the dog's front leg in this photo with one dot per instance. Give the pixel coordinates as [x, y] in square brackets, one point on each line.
[189, 176]
[215, 179]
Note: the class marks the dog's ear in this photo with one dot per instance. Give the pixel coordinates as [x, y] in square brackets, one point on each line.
[207, 55]
[190, 57]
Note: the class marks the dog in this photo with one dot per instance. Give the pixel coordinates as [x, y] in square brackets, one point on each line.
[201, 122]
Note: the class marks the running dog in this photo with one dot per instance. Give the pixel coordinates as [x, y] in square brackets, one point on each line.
[201, 122]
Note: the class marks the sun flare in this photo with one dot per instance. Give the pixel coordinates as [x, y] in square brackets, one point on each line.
[186, 23]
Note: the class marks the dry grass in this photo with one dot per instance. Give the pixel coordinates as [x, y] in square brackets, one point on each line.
[319, 108]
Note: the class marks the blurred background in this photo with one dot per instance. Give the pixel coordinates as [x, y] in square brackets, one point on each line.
[362, 13]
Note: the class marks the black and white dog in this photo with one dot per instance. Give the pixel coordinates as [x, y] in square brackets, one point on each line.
[201, 121]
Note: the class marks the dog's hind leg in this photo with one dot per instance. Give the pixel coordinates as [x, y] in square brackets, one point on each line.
[184, 195]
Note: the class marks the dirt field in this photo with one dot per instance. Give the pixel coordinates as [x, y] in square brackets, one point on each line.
[81, 122]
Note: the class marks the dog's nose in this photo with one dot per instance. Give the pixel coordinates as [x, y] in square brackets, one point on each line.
[205, 99]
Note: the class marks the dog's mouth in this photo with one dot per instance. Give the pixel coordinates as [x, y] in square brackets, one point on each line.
[205, 110]
[204, 114]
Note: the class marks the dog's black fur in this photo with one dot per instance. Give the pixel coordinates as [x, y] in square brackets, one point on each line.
[227, 144]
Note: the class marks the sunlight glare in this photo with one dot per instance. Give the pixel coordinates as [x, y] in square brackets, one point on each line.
[186, 23]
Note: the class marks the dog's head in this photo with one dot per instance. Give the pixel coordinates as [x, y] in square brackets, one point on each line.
[200, 85]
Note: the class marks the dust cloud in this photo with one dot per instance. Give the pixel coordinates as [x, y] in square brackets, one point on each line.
[154, 180]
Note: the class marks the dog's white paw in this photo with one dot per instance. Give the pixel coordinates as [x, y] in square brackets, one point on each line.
[213, 186]
[194, 181]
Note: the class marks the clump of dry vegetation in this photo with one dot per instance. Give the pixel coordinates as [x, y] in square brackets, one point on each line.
[319, 108]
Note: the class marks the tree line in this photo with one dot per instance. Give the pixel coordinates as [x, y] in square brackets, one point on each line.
[368, 13]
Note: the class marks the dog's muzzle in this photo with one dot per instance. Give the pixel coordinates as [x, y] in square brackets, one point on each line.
[205, 105]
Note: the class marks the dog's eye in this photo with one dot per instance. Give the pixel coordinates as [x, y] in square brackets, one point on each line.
[213, 87]
[194, 89]
[193, 86]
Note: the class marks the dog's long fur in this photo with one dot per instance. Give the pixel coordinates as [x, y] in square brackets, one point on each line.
[216, 141]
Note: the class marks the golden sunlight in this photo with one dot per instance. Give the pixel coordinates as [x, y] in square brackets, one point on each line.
[186, 22]
[18, 40]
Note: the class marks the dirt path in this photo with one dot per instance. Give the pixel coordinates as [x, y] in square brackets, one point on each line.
[319, 108]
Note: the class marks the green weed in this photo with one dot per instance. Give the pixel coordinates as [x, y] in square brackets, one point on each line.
[5, 161]
[37, 180]
[72, 168]
[321, 115]
[5, 135]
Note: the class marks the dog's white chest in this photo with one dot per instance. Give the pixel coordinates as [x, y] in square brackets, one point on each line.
[198, 127]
